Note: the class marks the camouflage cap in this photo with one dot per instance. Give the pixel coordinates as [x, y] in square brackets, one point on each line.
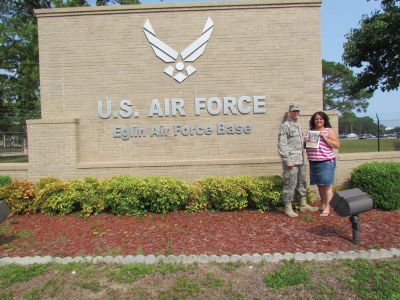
[294, 106]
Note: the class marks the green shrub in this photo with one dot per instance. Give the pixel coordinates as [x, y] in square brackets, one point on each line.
[19, 195]
[163, 194]
[267, 193]
[4, 180]
[198, 198]
[41, 194]
[230, 193]
[123, 195]
[46, 180]
[57, 199]
[87, 194]
[380, 180]
[224, 193]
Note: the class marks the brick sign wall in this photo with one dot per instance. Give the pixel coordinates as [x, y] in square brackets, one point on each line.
[184, 90]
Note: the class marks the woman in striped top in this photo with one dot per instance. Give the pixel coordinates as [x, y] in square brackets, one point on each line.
[322, 159]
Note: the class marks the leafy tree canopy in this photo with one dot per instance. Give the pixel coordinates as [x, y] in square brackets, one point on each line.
[340, 90]
[350, 123]
[19, 57]
[375, 46]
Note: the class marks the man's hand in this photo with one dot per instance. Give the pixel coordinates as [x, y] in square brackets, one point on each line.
[290, 164]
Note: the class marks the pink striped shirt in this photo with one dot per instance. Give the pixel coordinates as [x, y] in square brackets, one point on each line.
[324, 152]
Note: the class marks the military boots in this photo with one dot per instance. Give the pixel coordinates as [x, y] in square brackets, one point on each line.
[305, 207]
[289, 211]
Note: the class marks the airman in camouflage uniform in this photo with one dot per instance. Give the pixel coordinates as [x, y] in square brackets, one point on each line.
[291, 151]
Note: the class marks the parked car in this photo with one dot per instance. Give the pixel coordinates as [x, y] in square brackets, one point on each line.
[352, 136]
[398, 135]
[367, 136]
[389, 135]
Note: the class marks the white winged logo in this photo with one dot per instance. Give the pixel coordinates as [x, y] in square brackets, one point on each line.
[169, 55]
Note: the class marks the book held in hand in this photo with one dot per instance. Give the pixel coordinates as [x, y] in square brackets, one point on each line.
[313, 138]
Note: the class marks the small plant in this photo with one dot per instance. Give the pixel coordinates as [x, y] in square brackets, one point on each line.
[12, 274]
[375, 280]
[306, 218]
[290, 273]
[4, 180]
[131, 273]
[6, 230]
[25, 233]
[184, 287]
[165, 269]
[113, 252]
[139, 251]
[91, 285]
[19, 195]
[231, 266]
[213, 282]
[170, 246]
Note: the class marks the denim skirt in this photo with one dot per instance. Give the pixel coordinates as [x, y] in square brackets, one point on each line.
[322, 172]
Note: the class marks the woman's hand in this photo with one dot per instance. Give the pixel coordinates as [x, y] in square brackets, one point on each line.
[325, 134]
[332, 139]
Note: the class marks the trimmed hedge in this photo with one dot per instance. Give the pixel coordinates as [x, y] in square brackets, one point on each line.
[381, 181]
[162, 194]
[122, 195]
[87, 193]
[127, 195]
[235, 193]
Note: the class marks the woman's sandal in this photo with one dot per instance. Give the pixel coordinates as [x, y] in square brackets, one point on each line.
[324, 214]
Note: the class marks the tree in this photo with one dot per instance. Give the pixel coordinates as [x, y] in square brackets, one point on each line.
[350, 123]
[19, 57]
[375, 47]
[340, 89]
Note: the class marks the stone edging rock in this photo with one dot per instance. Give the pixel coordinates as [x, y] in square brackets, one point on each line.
[204, 259]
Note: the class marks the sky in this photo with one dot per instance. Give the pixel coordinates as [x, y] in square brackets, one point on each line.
[338, 17]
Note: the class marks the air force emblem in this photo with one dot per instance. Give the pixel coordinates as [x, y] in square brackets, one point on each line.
[169, 55]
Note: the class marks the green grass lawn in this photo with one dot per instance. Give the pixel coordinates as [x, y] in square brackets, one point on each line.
[367, 145]
[358, 279]
[14, 159]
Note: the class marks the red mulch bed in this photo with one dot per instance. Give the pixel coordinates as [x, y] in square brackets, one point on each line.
[185, 233]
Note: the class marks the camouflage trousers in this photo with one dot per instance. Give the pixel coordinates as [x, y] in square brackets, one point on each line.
[295, 180]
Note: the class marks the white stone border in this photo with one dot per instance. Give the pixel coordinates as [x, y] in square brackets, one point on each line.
[205, 259]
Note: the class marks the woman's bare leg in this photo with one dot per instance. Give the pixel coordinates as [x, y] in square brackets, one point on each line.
[326, 194]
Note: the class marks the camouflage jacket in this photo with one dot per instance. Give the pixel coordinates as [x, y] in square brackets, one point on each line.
[290, 143]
